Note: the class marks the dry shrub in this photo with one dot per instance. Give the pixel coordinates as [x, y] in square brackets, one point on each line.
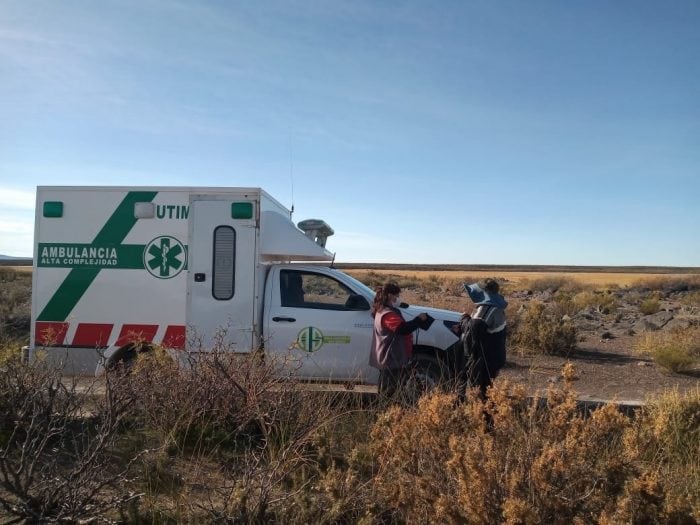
[665, 442]
[675, 350]
[57, 446]
[9, 350]
[337, 486]
[563, 304]
[432, 283]
[691, 300]
[442, 462]
[541, 330]
[183, 405]
[601, 300]
[650, 305]
[234, 441]
[15, 303]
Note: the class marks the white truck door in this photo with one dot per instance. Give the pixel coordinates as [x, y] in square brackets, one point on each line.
[221, 274]
[313, 324]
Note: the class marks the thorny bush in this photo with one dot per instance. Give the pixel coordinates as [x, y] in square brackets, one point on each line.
[57, 450]
[236, 440]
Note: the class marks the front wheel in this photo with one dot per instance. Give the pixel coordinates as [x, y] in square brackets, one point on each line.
[425, 375]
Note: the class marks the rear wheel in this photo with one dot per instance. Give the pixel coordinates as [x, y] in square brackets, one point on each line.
[124, 359]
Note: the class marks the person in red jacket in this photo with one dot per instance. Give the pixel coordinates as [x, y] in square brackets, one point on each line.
[392, 342]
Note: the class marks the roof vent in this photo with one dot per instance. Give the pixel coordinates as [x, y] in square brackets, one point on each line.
[316, 230]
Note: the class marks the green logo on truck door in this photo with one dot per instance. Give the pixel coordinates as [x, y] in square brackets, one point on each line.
[310, 339]
[164, 257]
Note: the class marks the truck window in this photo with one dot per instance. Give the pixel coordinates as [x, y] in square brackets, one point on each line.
[300, 289]
[224, 263]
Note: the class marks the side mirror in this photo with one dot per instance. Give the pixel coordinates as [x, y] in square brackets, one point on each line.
[356, 302]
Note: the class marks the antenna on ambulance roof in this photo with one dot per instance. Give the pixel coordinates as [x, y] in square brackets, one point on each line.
[291, 172]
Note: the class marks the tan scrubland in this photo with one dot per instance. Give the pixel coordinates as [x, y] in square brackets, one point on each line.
[226, 439]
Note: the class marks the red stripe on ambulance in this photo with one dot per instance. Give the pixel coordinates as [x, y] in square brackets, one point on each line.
[96, 335]
[174, 337]
[137, 333]
[92, 334]
[50, 333]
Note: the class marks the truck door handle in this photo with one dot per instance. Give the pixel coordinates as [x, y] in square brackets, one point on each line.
[280, 319]
[199, 277]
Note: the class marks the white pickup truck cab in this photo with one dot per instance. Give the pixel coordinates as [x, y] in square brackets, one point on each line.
[193, 268]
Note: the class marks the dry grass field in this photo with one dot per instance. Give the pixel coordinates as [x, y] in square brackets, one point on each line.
[520, 279]
[18, 268]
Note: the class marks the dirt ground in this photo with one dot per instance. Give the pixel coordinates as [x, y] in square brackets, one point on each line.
[607, 369]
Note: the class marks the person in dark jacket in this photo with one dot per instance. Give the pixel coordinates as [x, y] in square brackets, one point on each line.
[483, 335]
[392, 342]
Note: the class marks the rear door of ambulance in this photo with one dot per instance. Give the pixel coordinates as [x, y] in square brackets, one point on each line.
[221, 284]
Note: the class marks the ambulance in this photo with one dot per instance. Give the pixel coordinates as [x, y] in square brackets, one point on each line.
[191, 269]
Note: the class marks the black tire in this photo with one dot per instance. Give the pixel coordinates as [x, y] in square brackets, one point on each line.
[124, 359]
[426, 374]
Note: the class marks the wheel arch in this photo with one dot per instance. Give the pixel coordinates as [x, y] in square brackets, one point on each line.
[127, 353]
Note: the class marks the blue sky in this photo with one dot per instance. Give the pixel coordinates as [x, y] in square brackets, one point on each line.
[466, 132]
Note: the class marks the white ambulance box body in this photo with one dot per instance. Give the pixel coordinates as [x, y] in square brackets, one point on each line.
[111, 267]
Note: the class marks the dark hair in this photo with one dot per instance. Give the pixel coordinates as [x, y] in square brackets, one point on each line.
[491, 285]
[382, 298]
